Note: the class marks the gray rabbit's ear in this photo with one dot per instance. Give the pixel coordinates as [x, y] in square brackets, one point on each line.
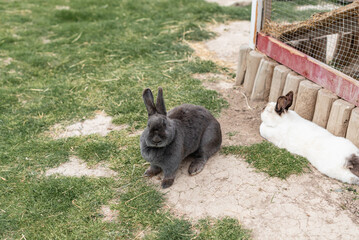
[160, 104]
[284, 103]
[149, 101]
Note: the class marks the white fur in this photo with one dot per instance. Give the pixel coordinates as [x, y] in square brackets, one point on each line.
[326, 152]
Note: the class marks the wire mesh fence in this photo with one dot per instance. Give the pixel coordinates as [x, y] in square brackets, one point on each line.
[327, 30]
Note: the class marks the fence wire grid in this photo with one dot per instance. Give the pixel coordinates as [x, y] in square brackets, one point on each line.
[327, 30]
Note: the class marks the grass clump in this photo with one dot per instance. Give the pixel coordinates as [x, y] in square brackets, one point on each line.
[206, 229]
[226, 228]
[270, 159]
[177, 229]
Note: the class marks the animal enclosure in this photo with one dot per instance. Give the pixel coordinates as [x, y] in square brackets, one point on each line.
[318, 44]
[327, 30]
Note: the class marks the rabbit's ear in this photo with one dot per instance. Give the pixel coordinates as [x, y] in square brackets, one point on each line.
[149, 101]
[284, 103]
[280, 106]
[160, 104]
[289, 101]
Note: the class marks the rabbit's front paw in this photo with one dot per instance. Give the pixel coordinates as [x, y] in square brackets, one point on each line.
[152, 171]
[196, 166]
[167, 182]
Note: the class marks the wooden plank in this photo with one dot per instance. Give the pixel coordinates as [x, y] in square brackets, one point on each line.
[320, 73]
[256, 22]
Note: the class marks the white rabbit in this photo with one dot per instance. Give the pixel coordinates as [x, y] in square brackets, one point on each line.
[333, 156]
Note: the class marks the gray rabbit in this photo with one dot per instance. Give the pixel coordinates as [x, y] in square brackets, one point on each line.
[186, 130]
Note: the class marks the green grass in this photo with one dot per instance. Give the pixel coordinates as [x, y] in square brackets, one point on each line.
[177, 229]
[268, 158]
[59, 66]
[226, 228]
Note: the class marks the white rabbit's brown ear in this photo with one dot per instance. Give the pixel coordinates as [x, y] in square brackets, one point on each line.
[289, 102]
[160, 104]
[284, 103]
[149, 101]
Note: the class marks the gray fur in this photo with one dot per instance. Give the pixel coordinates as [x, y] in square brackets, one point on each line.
[187, 130]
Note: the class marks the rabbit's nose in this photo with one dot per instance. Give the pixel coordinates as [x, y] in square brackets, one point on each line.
[156, 140]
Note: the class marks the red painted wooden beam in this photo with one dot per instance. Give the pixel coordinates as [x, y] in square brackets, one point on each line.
[320, 73]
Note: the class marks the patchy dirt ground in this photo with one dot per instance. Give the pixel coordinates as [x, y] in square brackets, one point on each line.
[101, 124]
[224, 49]
[302, 207]
[76, 167]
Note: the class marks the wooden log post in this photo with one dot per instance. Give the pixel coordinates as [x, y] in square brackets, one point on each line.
[339, 117]
[292, 84]
[323, 106]
[353, 127]
[278, 80]
[253, 60]
[242, 63]
[306, 99]
[263, 80]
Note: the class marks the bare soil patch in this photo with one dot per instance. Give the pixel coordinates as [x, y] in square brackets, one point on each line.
[241, 120]
[6, 61]
[108, 214]
[302, 207]
[101, 124]
[75, 167]
[224, 49]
